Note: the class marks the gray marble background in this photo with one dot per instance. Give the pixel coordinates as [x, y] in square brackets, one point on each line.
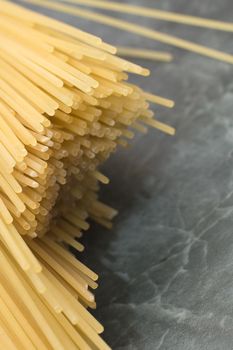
[167, 267]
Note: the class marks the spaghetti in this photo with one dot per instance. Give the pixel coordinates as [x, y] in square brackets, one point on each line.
[155, 13]
[65, 106]
[136, 29]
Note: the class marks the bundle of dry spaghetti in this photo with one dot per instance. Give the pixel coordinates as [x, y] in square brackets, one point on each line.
[65, 106]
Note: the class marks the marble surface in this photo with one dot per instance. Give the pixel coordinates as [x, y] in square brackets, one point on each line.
[167, 267]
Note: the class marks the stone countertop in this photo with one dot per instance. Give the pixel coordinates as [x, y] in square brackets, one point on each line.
[167, 267]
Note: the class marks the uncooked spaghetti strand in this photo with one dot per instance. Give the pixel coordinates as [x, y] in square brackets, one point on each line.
[155, 13]
[137, 29]
[159, 100]
[144, 53]
[5, 213]
[159, 125]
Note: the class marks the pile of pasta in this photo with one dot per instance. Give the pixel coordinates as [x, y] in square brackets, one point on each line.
[65, 107]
